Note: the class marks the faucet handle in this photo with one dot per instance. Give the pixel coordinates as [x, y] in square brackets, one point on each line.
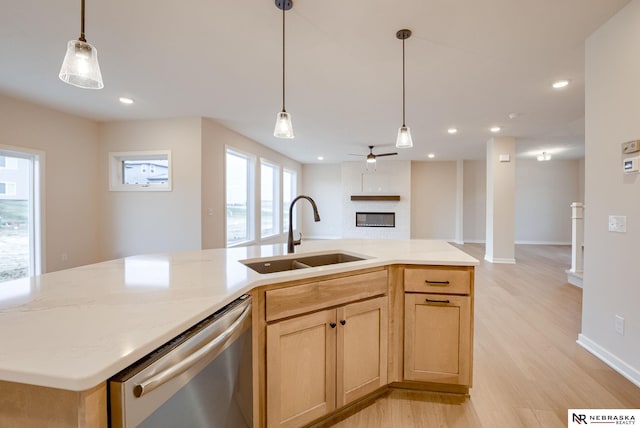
[298, 241]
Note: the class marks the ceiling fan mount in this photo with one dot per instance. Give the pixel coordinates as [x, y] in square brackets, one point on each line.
[371, 157]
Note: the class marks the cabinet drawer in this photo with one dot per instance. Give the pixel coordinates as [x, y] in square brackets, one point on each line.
[435, 280]
[298, 299]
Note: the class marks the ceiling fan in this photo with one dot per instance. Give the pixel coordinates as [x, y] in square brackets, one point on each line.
[371, 157]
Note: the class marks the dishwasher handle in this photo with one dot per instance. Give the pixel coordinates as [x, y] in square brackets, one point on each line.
[165, 376]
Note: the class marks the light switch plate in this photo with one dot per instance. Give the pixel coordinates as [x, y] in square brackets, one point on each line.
[505, 158]
[631, 147]
[618, 223]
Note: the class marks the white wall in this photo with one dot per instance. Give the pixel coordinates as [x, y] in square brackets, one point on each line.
[323, 182]
[389, 178]
[213, 194]
[501, 181]
[611, 284]
[544, 193]
[70, 147]
[581, 177]
[433, 200]
[474, 201]
[152, 222]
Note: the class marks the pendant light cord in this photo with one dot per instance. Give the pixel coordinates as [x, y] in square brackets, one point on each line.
[403, 102]
[82, 39]
[283, 50]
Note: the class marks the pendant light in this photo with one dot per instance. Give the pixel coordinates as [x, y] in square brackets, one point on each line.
[284, 128]
[404, 140]
[80, 66]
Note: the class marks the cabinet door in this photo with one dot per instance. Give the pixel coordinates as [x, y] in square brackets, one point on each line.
[301, 369]
[361, 350]
[437, 338]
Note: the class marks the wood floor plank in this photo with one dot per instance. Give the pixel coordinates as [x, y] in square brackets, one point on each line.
[528, 368]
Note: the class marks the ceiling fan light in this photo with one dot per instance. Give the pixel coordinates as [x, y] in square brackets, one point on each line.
[284, 128]
[371, 159]
[80, 66]
[404, 140]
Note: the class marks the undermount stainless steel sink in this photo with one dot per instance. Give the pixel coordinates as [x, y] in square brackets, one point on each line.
[272, 265]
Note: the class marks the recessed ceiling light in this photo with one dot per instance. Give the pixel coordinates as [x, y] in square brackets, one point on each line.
[560, 84]
[495, 129]
[126, 100]
[320, 158]
[452, 130]
[431, 156]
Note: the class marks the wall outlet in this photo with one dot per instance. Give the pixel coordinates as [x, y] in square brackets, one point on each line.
[618, 223]
[619, 325]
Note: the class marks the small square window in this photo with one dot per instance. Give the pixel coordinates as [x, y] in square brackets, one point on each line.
[140, 171]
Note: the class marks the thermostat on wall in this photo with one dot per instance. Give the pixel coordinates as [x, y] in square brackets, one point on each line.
[631, 165]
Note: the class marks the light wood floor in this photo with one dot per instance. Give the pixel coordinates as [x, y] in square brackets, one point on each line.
[528, 368]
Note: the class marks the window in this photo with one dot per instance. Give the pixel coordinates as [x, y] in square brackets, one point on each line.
[140, 171]
[269, 206]
[7, 162]
[289, 190]
[239, 192]
[7, 189]
[20, 237]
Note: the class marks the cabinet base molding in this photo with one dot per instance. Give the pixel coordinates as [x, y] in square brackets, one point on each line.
[351, 409]
[428, 387]
[432, 387]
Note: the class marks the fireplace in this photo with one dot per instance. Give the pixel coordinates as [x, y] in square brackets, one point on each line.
[367, 219]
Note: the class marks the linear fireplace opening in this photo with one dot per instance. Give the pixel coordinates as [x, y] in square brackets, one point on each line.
[367, 219]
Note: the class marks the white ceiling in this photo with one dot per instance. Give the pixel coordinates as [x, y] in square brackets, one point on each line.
[469, 64]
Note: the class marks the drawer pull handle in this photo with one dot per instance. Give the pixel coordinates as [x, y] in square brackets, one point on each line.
[426, 281]
[343, 322]
[437, 301]
[333, 325]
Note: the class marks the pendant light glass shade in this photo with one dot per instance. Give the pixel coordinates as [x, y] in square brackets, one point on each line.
[283, 129]
[80, 66]
[404, 140]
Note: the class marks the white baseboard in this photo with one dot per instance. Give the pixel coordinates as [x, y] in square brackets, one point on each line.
[499, 260]
[574, 278]
[542, 243]
[609, 359]
[482, 241]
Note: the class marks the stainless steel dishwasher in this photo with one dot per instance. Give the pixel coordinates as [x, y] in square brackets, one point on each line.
[200, 379]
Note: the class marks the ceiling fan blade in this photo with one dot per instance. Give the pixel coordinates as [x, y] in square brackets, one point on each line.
[356, 154]
[387, 154]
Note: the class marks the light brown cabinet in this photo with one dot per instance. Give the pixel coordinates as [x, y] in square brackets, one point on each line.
[301, 369]
[317, 362]
[438, 326]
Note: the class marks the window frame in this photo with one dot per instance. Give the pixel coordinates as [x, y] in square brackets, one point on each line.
[275, 190]
[36, 192]
[250, 196]
[285, 209]
[116, 160]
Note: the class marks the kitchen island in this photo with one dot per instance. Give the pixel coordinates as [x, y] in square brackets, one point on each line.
[65, 333]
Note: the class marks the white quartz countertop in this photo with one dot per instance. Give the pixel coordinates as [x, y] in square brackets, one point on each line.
[74, 329]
